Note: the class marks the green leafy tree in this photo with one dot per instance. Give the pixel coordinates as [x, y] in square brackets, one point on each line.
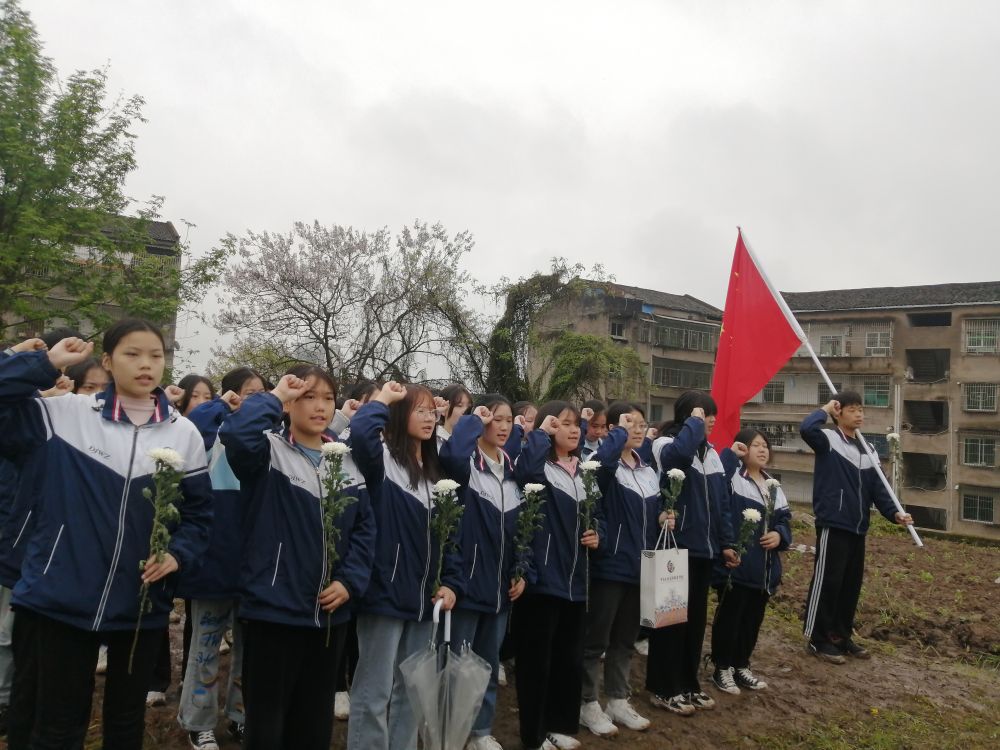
[66, 251]
[585, 366]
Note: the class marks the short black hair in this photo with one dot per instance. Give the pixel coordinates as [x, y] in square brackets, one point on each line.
[234, 380]
[78, 372]
[121, 329]
[53, 337]
[492, 400]
[748, 434]
[520, 407]
[618, 408]
[187, 384]
[848, 398]
[688, 401]
[554, 409]
[597, 405]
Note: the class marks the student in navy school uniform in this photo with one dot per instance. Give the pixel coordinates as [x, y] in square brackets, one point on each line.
[81, 578]
[475, 458]
[394, 444]
[212, 591]
[454, 402]
[704, 529]
[547, 623]
[845, 486]
[596, 429]
[741, 608]
[17, 501]
[294, 618]
[631, 504]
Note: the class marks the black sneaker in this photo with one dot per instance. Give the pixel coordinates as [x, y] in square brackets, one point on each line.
[827, 652]
[701, 701]
[237, 731]
[747, 679]
[857, 651]
[723, 680]
[203, 740]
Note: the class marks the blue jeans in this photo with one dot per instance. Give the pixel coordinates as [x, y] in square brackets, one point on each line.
[381, 716]
[484, 632]
[198, 709]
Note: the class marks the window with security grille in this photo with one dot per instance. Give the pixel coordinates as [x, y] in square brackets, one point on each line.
[980, 397]
[878, 344]
[875, 391]
[978, 506]
[825, 394]
[831, 346]
[774, 392]
[979, 451]
[644, 333]
[617, 329]
[981, 335]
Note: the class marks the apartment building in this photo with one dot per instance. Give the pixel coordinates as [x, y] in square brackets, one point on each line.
[926, 360]
[162, 245]
[675, 336]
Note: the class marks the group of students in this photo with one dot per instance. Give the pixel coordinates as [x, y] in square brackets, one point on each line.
[250, 550]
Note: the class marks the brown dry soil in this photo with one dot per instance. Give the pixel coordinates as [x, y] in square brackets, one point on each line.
[930, 616]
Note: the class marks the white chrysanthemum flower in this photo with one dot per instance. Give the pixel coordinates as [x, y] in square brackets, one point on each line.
[444, 486]
[676, 474]
[534, 488]
[590, 465]
[752, 515]
[334, 448]
[892, 437]
[771, 483]
[168, 456]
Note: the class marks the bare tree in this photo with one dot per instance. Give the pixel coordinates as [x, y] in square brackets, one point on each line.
[357, 303]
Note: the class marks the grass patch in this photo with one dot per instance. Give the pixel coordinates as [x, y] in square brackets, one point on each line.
[919, 725]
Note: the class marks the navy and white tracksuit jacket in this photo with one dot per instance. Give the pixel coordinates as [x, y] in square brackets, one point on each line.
[759, 569]
[704, 526]
[406, 552]
[219, 577]
[489, 521]
[91, 521]
[845, 481]
[631, 504]
[557, 557]
[285, 566]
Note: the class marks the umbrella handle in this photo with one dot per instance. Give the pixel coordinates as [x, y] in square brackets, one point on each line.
[447, 620]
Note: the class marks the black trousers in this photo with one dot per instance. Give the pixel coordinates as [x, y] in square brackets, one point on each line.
[838, 571]
[349, 659]
[675, 651]
[737, 624]
[51, 699]
[289, 680]
[548, 646]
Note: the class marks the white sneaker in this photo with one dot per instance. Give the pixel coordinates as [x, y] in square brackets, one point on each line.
[156, 698]
[483, 743]
[102, 661]
[502, 676]
[203, 740]
[620, 711]
[544, 746]
[342, 706]
[642, 647]
[563, 741]
[592, 717]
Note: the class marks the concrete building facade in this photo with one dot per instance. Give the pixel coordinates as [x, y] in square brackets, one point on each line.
[926, 361]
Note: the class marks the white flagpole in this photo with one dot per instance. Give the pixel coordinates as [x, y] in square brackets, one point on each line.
[822, 371]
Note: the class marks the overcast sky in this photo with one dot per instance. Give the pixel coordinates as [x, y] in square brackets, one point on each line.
[855, 142]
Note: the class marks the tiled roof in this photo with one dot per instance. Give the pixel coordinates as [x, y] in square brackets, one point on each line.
[682, 302]
[875, 298]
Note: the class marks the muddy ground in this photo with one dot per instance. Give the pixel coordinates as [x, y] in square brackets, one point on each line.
[931, 617]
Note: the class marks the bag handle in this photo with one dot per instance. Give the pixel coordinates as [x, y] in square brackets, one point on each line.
[666, 537]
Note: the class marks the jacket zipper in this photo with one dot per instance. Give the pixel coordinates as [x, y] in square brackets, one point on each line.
[427, 565]
[120, 538]
[708, 509]
[576, 538]
[503, 506]
[322, 534]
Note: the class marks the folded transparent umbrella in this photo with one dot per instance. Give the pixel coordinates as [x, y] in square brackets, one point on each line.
[445, 688]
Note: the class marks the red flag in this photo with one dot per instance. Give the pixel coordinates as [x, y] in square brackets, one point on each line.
[758, 337]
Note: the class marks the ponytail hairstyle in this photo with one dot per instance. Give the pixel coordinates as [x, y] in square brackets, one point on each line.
[400, 444]
[188, 384]
[304, 371]
[554, 409]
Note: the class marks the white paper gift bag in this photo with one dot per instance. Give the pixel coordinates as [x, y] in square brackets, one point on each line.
[663, 585]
